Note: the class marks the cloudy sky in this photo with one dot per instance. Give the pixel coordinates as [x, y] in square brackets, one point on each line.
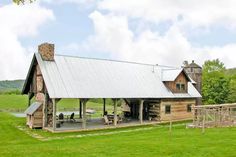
[149, 31]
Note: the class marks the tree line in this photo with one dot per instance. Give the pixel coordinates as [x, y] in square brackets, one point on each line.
[218, 83]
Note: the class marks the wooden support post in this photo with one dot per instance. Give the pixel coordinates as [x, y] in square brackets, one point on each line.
[54, 114]
[84, 114]
[115, 112]
[194, 112]
[80, 108]
[203, 121]
[215, 119]
[170, 127]
[29, 99]
[104, 106]
[45, 111]
[141, 111]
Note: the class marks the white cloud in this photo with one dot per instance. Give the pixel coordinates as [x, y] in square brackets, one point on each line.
[192, 12]
[113, 35]
[18, 21]
[83, 3]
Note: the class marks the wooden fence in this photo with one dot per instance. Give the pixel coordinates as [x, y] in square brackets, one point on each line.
[214, 115]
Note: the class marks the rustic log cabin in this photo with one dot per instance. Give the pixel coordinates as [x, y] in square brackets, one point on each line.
[152, 93]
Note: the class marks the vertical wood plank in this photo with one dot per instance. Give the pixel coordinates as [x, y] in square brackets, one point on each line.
[104, 106]
[54, 114]
[44, 112]
[141, 111]
[115, 112]
[80, 108]
[84, 115]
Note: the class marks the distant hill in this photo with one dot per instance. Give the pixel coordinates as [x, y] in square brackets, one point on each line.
[231, 71]
[8, 86]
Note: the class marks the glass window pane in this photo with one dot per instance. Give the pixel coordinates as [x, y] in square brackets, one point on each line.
[167, 109]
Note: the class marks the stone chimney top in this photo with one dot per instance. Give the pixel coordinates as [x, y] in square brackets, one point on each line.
[46, 51]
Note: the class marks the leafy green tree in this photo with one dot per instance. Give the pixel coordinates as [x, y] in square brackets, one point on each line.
[22, 1]
[216, 86]
[232, 93]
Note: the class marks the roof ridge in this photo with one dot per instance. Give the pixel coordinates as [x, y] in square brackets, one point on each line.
[113, 60]
[173, 69]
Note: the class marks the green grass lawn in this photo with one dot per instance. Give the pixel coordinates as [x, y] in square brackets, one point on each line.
[18, 103]
[13, 103]
[151, 141]
[18, 140]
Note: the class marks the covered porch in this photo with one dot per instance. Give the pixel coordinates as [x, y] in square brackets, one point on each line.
[95, 124]
[135, 113]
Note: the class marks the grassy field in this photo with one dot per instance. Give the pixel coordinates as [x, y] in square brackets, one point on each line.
[154, 140]
[13, 103]
[144, 141]
[18, 103]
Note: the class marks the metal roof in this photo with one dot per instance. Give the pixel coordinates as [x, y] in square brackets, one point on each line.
[76, 77]
[32, 108]
[170, 74]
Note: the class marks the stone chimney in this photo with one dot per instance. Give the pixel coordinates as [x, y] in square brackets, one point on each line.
[46, 51]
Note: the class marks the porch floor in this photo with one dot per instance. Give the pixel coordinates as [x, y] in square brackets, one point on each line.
[96, 124]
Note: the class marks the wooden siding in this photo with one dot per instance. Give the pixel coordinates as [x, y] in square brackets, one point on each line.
[178, 109]
[180, 79]
[36, 120]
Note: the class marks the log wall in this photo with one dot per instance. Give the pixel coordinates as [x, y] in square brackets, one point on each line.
[178, 109]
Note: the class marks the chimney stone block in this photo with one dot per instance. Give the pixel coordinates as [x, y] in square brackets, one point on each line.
[46, 51]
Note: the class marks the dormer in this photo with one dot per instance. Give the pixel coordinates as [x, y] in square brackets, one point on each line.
[176, 80]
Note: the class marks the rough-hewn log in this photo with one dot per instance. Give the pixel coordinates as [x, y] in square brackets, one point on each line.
[84, 115]
[104, 106]
[80, 108]
[115, 112]
[141, 111]
[54, 114]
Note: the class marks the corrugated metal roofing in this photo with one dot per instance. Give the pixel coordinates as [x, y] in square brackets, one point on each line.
[171, 74]
[75, 77]
[32, 108]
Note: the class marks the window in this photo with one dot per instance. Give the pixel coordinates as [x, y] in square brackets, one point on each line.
[167, 109]
[180, 87]
[189, 108]
[191, 69]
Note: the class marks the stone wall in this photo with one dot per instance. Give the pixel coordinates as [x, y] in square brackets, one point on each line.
[42, 96]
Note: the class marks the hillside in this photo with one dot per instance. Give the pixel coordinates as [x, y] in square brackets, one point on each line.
[6, 86]
[231, 72]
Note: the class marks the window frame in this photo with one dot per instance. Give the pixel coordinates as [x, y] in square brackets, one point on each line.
[169, 111]
[180, 87]
[189, 107]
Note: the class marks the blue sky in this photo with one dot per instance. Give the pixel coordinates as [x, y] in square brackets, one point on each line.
[149, 31]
